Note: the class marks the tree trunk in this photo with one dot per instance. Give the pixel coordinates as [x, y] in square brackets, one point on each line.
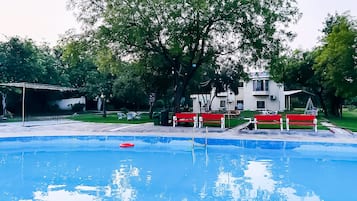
[151, 110]
[181, 78]
[178, 95]
[180, 88]
[323, 103]
[104, 109]
[3, 102]
[336, 106]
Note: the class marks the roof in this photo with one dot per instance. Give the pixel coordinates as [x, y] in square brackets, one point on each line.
[292, 92]
[38, 86]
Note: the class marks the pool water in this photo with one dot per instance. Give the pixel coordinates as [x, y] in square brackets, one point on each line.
[157, 168]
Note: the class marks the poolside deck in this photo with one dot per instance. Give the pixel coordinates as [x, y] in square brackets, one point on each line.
[69, 127]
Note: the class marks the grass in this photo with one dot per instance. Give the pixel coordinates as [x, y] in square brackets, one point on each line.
[348, 120]
[111, 118]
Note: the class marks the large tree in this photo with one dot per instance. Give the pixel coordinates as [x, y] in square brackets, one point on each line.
[21, 60]
[330, 70]
[189, 34]
[81, 65]
[337, 61]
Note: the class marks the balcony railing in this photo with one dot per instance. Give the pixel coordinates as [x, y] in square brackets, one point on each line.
[260, 93]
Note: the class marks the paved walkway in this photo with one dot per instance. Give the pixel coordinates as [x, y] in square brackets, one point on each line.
[336, 129]
[62, 127]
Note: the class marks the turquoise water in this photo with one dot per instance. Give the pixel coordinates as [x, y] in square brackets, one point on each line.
[95, 168]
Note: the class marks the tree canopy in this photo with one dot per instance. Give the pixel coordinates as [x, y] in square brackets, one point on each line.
[23, 61]
[337, 60]
[189, 35]
[330, 70]
[338, 57]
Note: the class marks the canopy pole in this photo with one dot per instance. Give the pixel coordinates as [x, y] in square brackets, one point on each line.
[23, 104]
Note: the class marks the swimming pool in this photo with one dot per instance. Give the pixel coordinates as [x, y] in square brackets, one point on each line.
[159, 168]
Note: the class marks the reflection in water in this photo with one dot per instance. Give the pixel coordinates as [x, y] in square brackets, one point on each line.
[122, 189]
[258, 174]
[256, 184]
[60, 195]
[226, 182]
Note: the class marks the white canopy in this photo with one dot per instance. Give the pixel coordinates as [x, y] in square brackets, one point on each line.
[292, 92]
[288, 95]
[37, 86]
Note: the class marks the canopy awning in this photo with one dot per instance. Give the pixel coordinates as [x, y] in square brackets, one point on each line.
[38, 86]
[25, 85]
[292, 92]
[288, 95]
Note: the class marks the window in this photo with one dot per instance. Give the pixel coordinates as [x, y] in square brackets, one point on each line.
[260, 85]
[239, 105]
[260, 104]
[240, 84]
[222, 103]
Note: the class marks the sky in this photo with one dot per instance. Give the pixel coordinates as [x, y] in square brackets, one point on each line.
[46, 20]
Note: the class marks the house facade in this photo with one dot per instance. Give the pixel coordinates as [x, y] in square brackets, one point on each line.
[259, 93]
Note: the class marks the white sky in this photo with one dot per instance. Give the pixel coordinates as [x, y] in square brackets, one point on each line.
[46, 20]
[315, 12]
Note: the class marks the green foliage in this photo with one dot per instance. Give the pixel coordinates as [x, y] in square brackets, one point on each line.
[188, 35]
[328, 71]
[337, 60]
[78, 62]
[23, 61]
[129, 90]
[79, 59]
[159, 104]
[296, 71]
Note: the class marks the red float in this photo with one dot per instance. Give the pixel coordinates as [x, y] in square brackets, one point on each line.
[126, 145]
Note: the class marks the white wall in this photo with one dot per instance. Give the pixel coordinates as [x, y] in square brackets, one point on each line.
[246, 94]
[250, 100]
[67, 104]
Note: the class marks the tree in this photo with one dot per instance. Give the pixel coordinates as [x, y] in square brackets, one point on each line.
[21, 60]
[130, 90]
[329, 71]
[80, 65]
[77, 61]
[189, 34]
[337, 61]
[296, 71]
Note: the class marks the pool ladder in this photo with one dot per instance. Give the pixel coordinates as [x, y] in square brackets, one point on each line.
[193, 137]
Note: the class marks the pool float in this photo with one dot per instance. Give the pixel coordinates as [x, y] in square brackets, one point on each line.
[126, 145]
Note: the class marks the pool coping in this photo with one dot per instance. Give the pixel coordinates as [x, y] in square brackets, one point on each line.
[76, 128]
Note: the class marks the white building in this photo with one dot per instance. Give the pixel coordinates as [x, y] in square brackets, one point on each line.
[68, 104]
[259, 93]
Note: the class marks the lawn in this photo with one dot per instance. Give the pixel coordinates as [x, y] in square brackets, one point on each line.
[111, 118]
[348, 120]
